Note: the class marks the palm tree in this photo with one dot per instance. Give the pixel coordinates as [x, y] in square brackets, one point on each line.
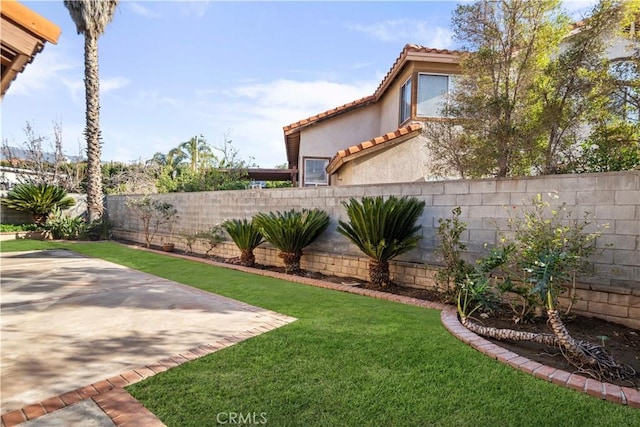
[382, 229]
[246, 237]
[196, 151]
[291, 232]
[38, 199]
[91, 18]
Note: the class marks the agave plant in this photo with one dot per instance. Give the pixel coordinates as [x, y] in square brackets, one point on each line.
[246, 237]
[291, 232]
[382, 229]
[38, 199]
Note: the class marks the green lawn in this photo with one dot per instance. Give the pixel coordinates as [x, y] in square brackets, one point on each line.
[347, 361]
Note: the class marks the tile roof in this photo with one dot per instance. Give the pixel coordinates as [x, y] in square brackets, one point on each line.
[408, 49]
[330, 113]
[378, 142]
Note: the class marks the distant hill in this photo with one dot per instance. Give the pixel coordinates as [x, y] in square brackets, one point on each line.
[7, 153]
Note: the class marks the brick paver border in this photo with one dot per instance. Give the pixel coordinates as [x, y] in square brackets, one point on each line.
[126, 411]
[113, 399]
[449, 316]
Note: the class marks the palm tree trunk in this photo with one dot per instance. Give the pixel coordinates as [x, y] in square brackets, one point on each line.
[291, 261]
[247, 258]
[92, 130]
[379, 273]
[566, 340]
[509, 334]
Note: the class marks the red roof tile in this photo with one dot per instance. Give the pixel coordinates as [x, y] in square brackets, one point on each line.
[408, 49]
[339, 159]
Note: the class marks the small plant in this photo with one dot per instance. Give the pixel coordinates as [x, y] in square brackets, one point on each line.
[291, 232]
[189, 240]
[38, 199]
[212, 237]
[101, 229]
[382, 230]
[450, 247]
[246, 236]
[153, 214]
[62, 226]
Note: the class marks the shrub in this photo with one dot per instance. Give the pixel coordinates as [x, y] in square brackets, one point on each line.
[382, 229]
[455, 269]
[212, 237]
[38, 199]
[153, 214]
[246, 237]
[291, 232]
[62, 226]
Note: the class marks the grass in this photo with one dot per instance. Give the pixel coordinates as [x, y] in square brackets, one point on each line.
[5, 228]
[347, 361]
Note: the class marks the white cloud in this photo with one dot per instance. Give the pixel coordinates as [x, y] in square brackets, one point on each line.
[255, 113]
[141, 10]
[112, 83]
[407, 31]
[194, 8]
[47, 69]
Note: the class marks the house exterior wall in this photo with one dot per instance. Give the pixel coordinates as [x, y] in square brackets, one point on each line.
[390, 104]
[407, 161]
[612, 292]
[326, 138]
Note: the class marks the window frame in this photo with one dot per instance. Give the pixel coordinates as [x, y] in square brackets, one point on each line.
[404, 114]
[450, 86]
[315, 183]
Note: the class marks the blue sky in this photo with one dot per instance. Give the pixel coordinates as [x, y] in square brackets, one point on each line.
[173, 69]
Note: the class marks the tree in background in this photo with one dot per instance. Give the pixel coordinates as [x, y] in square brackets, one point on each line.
[196, 166]
[507, 44]
[38, 161]
[575, 87]
[195, 152]
[91, 18]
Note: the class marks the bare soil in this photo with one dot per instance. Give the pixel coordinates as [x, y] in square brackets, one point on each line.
[621, 342]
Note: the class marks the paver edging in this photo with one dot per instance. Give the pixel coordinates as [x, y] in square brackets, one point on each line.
[449, 317]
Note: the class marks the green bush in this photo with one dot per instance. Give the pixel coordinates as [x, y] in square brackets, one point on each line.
[291, 232]
[450, 248]
[66, 227]
[382, 229]
[153, 214]
[246, 236]
[7, 228]
[38, 199]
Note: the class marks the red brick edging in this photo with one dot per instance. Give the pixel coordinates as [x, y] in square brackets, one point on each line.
[126, 411]
[113, 399]
[611, 392]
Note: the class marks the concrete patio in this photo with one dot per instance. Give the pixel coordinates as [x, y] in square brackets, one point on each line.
[69, 321]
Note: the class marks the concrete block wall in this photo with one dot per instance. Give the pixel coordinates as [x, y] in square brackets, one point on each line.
[612, 199]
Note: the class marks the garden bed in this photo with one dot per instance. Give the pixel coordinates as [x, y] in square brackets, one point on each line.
[622, 342]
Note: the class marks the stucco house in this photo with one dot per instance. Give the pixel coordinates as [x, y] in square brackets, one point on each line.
[377, 138]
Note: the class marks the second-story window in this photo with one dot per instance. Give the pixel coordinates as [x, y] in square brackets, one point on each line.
[432, 93]
[405, 101]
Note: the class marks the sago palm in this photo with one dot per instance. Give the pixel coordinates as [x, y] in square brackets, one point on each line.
[91, 18]
[38, 199]
[291, 232]
[382, 229]
[246, 237]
